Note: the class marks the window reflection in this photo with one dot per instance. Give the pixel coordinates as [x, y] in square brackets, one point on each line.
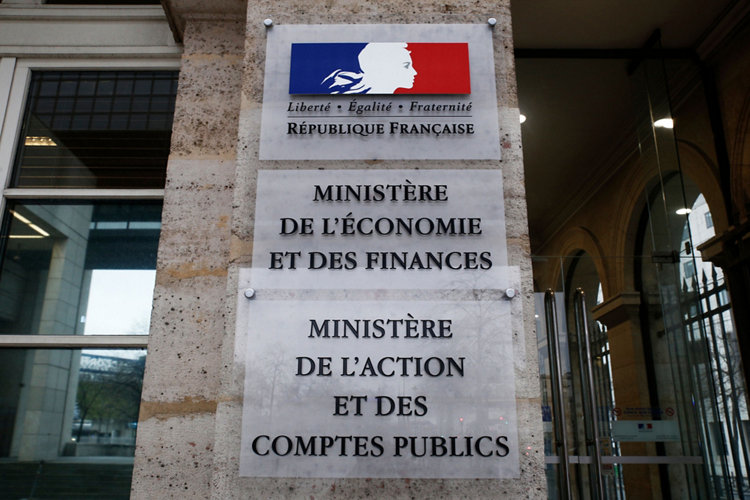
[68, 417]
[78, 268]
[96, 129]
[107, 401]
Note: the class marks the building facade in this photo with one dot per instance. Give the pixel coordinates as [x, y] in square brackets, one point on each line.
[133, 179]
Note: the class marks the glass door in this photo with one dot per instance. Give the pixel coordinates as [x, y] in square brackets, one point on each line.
[578, 401]
[643, 393]
[617, 424]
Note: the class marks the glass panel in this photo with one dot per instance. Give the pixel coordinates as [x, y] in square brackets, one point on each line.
[579, 271]
[552, 446]
[664, 352]
[68, 421]
[706, 310]
[96, 129]
[652, 488]
[644, 405]
[689, 351]
[78, 268]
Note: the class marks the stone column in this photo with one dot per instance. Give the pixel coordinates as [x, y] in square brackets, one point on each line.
[175, 443]
[189, 430]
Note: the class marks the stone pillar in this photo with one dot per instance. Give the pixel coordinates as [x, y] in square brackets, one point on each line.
[175, 443]
[189, 431]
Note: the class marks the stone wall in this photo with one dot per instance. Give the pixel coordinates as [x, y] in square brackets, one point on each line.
[189, 431]
[175, 441]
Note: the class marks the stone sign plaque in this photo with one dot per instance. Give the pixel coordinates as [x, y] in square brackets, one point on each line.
[336, 92]
[379, 229]
[375, 341]
[420, 389]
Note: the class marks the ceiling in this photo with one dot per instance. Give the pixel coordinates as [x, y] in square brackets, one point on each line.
[580, 124]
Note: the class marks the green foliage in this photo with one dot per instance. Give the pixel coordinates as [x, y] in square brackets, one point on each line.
[113, 393]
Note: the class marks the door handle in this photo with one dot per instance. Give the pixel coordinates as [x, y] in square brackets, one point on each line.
[553, 344]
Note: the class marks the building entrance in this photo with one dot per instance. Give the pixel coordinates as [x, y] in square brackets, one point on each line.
[642, 394]
[643, 389]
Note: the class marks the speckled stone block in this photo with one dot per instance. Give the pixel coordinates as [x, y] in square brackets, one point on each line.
[174, 449]
[175, 453]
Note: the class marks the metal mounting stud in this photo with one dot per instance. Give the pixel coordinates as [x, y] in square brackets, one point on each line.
[510, 293]
[492, 21]
[249, 293]
[268, 22]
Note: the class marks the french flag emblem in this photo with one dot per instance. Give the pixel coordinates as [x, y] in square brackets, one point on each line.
[380, 68]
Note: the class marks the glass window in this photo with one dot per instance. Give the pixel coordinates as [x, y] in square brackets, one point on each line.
[709, 220]
[688, 270]
[68, 417]
[96, 129]
[78, 268]
[68, 421]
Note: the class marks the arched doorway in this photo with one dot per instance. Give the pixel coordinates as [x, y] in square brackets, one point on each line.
[578, 400]
[667, 395]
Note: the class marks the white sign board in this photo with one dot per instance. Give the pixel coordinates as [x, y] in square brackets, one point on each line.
[379, 229]
[645, 430]
[432, 123]
[373, 347]
[420, 389]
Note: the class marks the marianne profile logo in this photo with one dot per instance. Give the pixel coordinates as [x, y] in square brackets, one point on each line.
[379, 68]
